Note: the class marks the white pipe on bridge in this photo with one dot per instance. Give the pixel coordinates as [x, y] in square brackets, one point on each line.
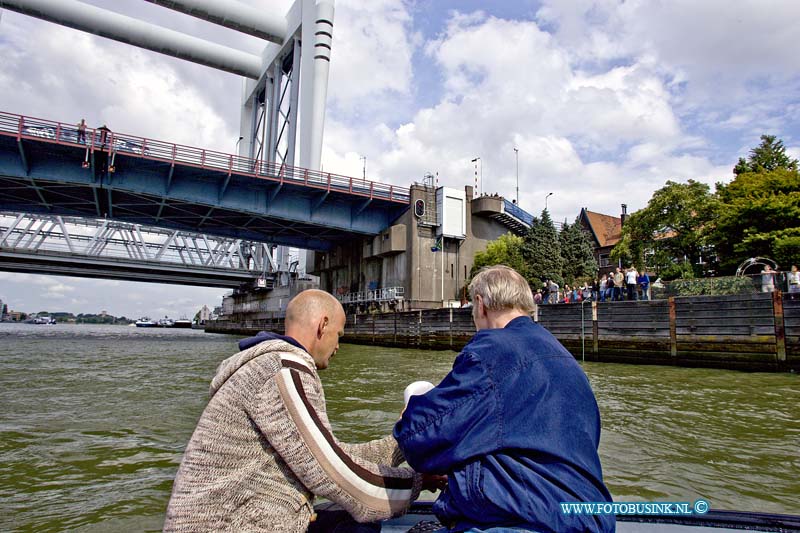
[234, 15]
[135, 32]
[317, 34]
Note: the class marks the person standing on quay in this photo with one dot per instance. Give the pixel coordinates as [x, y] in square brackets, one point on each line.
[767, 279]
[644, 283]
[631, 276]
[263, 447]
[619, 282]
[554, 292]
[515, 425]
[603, 287]
[794, 280]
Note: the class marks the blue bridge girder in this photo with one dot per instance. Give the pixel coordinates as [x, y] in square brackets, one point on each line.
[51, 168]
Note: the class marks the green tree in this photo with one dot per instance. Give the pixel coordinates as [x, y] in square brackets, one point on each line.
[542, 251]
[758, 214]
[506, 250]
[768, 156]
[577, 259]
[674, 227]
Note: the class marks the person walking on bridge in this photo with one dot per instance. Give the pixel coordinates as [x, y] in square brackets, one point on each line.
[82, 131]
[264, 447]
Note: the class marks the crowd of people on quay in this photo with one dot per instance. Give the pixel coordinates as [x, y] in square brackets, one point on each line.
[622, 284]
[632, 285]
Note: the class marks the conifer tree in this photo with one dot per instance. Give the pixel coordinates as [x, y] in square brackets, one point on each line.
[768, 156]
[576, 253]
[542, 251]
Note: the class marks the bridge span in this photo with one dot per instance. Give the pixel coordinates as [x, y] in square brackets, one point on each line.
[46, 244]
[53, 168]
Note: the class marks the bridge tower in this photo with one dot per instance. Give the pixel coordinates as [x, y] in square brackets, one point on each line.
[284, 89]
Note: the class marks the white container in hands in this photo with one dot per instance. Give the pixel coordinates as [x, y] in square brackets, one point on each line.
[416, 388]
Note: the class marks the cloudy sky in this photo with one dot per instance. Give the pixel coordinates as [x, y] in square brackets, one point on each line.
[604, 99]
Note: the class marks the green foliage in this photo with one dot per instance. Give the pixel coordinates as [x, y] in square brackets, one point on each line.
[95, 319]
[578, 262]
[709, 286]
[758, 215]
[755, 215]
[787, 250]
[507, 250]
[674, 225]
[680, 270]
[768, 156]
[542, 251]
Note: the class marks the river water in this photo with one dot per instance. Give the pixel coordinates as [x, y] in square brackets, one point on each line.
[93, 421]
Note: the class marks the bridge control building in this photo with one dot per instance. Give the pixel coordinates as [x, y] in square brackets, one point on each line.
[423, 260]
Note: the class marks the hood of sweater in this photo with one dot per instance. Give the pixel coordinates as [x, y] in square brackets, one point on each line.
[270, 342]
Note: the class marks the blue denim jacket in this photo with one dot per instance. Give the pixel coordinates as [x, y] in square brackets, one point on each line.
[516, 427]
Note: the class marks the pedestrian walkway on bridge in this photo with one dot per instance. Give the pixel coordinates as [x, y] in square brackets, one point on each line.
[49, 167]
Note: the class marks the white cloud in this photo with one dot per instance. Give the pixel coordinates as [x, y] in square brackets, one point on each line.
[70, 75]
[371, 55]
[508, 84]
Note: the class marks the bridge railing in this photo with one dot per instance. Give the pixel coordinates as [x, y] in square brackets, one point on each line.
[375, 295]
[97, 139]
[516, 211]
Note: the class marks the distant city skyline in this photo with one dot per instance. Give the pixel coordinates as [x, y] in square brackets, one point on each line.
[32, 293]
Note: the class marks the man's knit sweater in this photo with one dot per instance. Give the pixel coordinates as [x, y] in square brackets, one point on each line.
[264, 447]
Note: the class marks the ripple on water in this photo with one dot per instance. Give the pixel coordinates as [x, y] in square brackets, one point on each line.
[95, 419]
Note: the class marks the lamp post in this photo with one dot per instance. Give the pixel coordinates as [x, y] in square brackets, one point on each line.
[236, 148]
[364, 169]
[516, 156]
[545, 200]
[476, 160]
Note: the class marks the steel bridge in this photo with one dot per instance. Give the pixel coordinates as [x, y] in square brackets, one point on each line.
[110, 249]
[52, 168]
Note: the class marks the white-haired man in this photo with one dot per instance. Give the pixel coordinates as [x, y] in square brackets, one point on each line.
[264, 447]
[514, 426]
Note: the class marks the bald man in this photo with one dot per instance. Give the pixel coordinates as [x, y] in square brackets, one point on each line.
[263, 447]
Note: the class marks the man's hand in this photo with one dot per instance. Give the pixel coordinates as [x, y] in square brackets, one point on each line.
[433, 482]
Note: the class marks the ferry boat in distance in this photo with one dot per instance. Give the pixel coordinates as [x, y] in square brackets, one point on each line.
[145, 322]
[182, 322]
[166, 322]
[46, 320]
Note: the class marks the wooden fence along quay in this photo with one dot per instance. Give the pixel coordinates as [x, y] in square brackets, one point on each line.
[756, 332]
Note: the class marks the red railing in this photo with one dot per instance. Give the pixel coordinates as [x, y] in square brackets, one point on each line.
[95, 139]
